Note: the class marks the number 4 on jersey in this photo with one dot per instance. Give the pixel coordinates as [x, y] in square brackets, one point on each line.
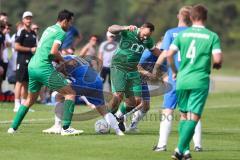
[191, 53]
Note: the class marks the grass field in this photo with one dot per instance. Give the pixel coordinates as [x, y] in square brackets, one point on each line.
[221, 135]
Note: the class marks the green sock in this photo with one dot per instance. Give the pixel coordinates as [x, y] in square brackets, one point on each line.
[186, 134]
[123, 108]
[68, 113]
[19, 117]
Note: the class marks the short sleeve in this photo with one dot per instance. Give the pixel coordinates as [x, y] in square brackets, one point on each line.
[216, 47]
[123, 33]
[59, 37]
[19, 37]
[150, 44]
[76, 32]
[175, 44]
[166, 41]
[101, 47]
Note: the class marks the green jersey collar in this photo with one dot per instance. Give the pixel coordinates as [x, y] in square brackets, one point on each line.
[198, 26]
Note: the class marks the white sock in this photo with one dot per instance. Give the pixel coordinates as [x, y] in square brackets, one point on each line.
[197, 137]
[23, 100]
[111, 120]
[137, 116]
[59, 108]
[165, 129]
[17, 103]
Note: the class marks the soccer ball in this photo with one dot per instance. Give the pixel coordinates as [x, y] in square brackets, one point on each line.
[102, 127]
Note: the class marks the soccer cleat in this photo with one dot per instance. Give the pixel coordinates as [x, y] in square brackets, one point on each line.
[119, 132]
[70, 132]
[31, 110]
[132, 128]
[11, 131]
[15, 109]
[176, 155]
[159, 149]
[121, 124]
[198, 149]
[53, 130]
[187, 156]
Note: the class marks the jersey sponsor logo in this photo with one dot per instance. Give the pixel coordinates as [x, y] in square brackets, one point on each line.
[135, 47]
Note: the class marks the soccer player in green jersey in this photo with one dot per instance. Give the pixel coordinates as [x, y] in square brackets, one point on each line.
[197, 45]
[41, 72]
[125, 77]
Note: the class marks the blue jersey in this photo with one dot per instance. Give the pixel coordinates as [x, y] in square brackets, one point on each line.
[148, 61]
[85, 80]
[71, 33]
[169, 36]
[170, 98]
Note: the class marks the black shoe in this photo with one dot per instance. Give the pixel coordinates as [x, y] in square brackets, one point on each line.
[198, 149]
[177, 156]
[121, 126]
[187, 156]
[121, 123]
[159, 149]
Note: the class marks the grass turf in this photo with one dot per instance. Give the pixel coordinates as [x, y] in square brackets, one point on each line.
[220, 123]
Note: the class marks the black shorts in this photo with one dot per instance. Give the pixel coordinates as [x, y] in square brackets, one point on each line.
[106, 71]
[22, 72]
[4, 66]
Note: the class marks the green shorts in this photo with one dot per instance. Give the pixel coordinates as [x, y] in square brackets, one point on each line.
[192, 100]
[45, 76]
[125, 81]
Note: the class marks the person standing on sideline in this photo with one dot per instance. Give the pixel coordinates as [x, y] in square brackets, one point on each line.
[73, 38]
[105, 54]
[25, 45]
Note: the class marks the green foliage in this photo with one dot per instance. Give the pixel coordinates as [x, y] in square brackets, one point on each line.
[94, 16]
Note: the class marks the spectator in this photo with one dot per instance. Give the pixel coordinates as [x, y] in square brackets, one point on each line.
[2, 39]
[25, 45]
[89, 52]
[73, 38]
[105, 54]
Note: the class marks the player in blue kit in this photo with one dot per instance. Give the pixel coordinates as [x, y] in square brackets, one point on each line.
[86, 82]
[170, 98]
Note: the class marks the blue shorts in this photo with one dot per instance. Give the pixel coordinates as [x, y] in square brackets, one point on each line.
[92, 91]
[170, 98]
[145, 91]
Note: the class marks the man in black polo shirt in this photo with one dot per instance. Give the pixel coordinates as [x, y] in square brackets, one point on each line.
[2, 39]
[25, 45]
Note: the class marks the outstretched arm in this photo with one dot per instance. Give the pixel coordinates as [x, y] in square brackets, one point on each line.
[115, 29]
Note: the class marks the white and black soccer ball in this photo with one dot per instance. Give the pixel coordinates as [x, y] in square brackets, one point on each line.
[102, 127]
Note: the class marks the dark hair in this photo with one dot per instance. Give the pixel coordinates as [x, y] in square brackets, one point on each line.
[3, 14]
[2, 25]
[199, 12]
[65, 14]
[93, 35]
[148, 25]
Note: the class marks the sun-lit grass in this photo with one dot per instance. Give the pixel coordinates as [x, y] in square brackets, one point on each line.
[220, 123]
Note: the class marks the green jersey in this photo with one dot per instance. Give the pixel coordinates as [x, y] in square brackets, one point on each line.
[43, 57]
[196, 46]
[130, 50]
